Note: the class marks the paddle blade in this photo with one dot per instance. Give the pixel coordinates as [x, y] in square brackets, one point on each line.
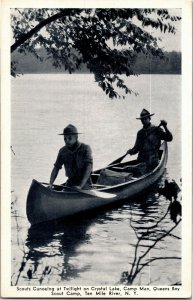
[99, 194]
[93, 193]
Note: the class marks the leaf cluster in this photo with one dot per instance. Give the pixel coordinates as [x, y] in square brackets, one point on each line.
[106, 40]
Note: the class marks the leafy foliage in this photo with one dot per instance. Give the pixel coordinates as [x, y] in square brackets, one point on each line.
[106, 40]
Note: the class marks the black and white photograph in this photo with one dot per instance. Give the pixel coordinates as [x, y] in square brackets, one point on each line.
[96, 149]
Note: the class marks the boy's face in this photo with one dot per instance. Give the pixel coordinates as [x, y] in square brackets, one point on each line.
[70, 140]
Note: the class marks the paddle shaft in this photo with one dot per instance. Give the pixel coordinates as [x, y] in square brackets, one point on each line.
[95, 193]
[118, 160]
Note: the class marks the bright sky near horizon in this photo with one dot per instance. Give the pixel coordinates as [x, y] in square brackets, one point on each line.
[170, 41]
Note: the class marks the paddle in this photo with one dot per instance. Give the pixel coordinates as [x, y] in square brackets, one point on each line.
[93, 193]
[118, 160]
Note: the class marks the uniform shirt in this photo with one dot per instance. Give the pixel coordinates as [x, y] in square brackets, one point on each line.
[148, 142]
[74, 162]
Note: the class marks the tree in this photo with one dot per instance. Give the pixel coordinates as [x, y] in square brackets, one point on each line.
[106, 40]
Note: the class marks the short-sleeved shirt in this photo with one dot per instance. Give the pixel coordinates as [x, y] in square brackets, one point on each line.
[74, 162]
[148, 143]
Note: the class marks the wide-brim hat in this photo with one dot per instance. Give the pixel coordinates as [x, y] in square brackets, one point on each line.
[70, 130]
[145, 113]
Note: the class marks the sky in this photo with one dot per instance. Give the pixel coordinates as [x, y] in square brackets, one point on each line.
[170, 41]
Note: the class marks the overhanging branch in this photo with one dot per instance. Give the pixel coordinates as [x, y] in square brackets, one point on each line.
[38, 27]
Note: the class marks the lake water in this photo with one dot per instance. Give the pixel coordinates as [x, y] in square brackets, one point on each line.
[96, 249]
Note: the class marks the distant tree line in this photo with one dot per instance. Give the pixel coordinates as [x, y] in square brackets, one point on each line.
[154, 65]
[142, 64]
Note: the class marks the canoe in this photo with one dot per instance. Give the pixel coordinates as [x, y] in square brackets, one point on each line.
[44, 204]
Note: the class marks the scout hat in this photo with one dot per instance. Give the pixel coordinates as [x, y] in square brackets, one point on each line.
[69, 130]
[145, 113]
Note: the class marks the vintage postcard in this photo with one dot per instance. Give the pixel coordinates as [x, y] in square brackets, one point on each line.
[96, 149]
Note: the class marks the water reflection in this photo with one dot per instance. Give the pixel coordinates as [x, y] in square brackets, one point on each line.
[59, 242]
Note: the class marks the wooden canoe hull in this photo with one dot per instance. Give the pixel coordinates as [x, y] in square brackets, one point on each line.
[45, 205]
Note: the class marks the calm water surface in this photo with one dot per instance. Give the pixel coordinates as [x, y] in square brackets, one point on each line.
[97, 248]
